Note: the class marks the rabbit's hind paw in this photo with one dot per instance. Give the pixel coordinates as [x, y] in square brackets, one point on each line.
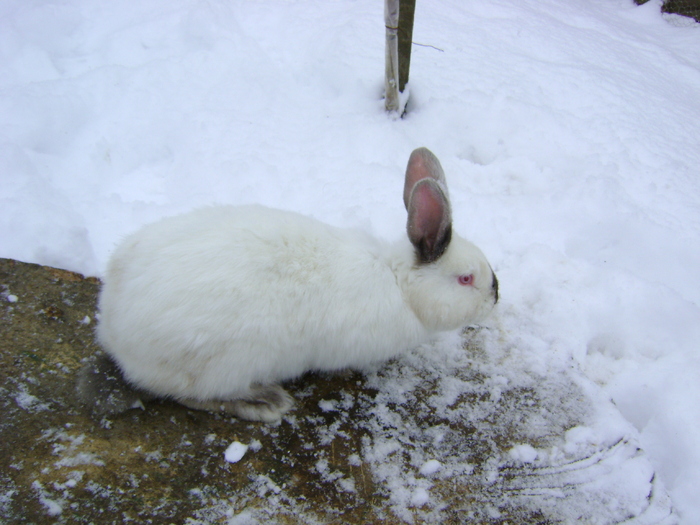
[267, 403]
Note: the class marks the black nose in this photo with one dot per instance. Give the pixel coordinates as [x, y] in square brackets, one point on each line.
[494, 285]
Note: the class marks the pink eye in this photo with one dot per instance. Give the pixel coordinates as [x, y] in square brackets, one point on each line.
[466, 280]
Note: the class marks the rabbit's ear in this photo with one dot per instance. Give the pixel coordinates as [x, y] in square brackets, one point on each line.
[425, 196]
[422, 164]
[429, 224]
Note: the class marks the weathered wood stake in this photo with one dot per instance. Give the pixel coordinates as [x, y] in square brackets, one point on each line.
[407, 9]
[391, 74]
[398, 19]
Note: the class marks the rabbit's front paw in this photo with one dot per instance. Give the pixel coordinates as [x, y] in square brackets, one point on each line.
[267, 403]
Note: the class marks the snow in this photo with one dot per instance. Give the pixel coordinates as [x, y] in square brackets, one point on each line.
[430, 467]
[235, 452]
[53, 507]
[29, 402]
[420, 497]
[567, 131]
[524, 453]
[327, 406]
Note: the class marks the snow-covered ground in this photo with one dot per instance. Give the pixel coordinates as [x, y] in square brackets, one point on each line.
[568, 131]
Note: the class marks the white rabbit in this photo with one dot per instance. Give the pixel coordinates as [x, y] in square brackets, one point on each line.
[215, 307]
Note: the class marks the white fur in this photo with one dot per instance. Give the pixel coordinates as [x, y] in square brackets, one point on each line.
[205, 305]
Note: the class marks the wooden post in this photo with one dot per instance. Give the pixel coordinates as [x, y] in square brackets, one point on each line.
[398, 19]
[391, 73]
[407, 10]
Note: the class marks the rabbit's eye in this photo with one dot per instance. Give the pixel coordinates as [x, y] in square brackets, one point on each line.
[466, 280]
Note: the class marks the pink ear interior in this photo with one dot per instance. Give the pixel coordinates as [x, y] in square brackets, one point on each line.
[429, 225]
